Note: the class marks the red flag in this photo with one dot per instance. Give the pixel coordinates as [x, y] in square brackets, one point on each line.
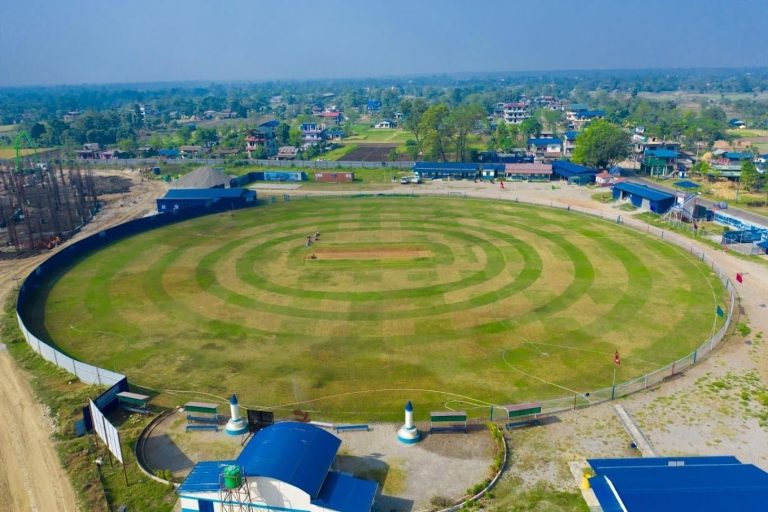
[616, 359]
[739, 277]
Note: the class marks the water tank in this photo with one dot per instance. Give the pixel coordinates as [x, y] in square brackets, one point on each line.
[232, 476]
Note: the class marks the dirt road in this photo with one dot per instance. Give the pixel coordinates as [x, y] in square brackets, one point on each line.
[31, 476]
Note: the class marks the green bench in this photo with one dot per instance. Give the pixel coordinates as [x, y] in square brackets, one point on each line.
[133, 402]
[447, 421]
[522, 414]
[200, 414]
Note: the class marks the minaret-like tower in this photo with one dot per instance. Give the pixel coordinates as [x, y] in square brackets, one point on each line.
[408, 433]
[236, 425]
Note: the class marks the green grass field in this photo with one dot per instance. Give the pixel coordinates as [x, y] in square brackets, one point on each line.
[449, 302]
[367, 133]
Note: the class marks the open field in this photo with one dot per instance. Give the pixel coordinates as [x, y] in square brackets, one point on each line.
[8, 153]
[497, 303]
[367, 133]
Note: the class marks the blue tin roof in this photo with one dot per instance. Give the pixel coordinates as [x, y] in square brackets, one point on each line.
[587, 114]
[646, 192]
[346, 493]
[206, 193]
[444, 166]
[731, 155]
[568, 169]
[645, 485]
[571, 135]
[661, 153]
[168, 152]
[296, 453]
[204, 477]
[543, 141]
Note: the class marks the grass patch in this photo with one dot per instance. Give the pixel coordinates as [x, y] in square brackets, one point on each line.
[602, 197]
[511, 495]
[508, 288]
[337, 153]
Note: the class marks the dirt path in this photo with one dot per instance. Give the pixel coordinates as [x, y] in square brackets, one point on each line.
[31, 476]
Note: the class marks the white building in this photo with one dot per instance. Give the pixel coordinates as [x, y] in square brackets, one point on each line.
[286, 467]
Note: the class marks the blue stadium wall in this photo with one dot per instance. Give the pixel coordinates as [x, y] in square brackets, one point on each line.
[64, 259]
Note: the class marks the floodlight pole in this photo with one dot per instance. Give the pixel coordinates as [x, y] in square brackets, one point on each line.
[613, 385]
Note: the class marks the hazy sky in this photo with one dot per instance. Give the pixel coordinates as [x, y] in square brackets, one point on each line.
[98, 41]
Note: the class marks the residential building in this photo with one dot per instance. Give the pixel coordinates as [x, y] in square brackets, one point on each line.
[385, 124]
[569, 142]
[190, 151]
[312, 134]
[286, 153]
[546, 147]
[659, 162]
[515, 113]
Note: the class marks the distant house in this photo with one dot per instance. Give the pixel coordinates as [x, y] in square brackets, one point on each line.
[286, 153]
[605, 179]
[335, 134]
[515, 113]
[737, 123]
[168, 153]
[373, 106]
[312, 134]
[728, 163]
[528, 172]
[258, 140]
[385, 124]
[90, 151]
[190, 151]
[659, 162]
[546, 147]
[333, 116]
[447, 170]
[72, 115]
[569, 142]
[642, 144]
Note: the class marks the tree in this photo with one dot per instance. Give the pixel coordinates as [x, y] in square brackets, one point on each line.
[464, 118]
[552, 118]
[294, 136]
[437, 130]
[601, 144]
[413, 109]
[749, 176]
[530, 127]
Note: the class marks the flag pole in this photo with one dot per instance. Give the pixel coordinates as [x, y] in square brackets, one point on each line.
[613, 385]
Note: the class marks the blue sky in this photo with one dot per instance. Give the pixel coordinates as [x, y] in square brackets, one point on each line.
[106, 41]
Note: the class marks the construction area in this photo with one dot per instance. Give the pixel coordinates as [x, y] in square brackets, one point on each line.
[43, 204]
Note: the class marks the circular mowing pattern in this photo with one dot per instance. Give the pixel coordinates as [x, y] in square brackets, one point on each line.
[493, 302]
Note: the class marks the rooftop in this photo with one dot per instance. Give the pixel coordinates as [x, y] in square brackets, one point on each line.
[645, 191]
[702, 484]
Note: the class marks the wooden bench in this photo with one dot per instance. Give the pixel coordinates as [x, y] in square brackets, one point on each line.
[133, 402]
[448, 421]
[522, 414]
[351, 428]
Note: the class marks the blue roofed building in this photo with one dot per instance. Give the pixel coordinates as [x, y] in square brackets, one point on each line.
[546, 147]
[457, 170]
[643, 196]
[286, 467]
[573, 173]
[666, 484]
[210, 198]
[659, 162]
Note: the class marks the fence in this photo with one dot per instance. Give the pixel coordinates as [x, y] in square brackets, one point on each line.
[85, 372]
[299, 164]
[95, 375]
